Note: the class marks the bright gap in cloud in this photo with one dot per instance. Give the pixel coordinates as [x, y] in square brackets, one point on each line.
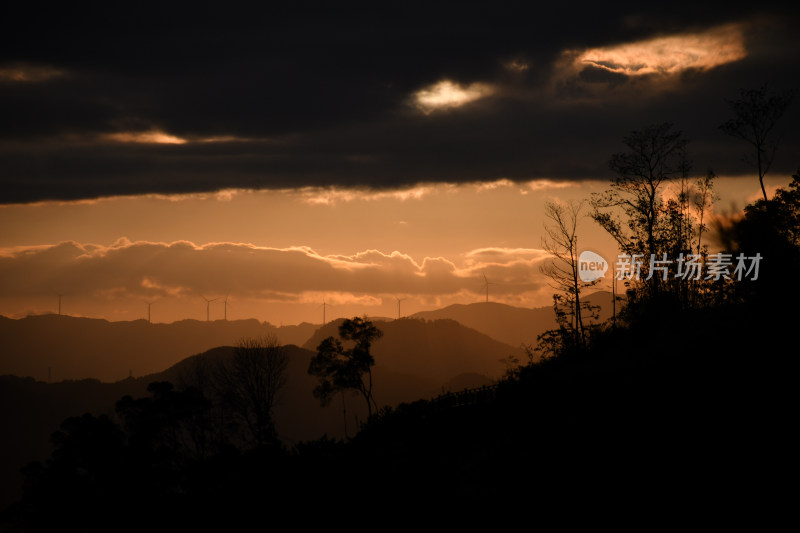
[146, 137]
[331, 196]
[447, 94]
[670, 55]
[156, 136]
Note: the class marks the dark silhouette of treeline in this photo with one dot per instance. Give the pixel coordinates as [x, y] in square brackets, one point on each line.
[682, 406]
[415, 359]
[673, 406]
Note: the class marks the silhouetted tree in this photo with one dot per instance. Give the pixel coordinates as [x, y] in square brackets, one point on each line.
[770, 229]
[341, 368]
[87, 475]
[787, 210]
[557, 341]
[208, 426]
[756, 113]
[250, 382]
[655, 155]
[172, 424]
[703, 199]
[561, 242]
[148, 467]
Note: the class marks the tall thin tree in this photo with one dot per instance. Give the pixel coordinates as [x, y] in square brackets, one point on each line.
[561, 242]
[755, 114]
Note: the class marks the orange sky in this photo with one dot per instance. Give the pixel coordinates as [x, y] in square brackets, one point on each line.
[526, 100]
[278, 254]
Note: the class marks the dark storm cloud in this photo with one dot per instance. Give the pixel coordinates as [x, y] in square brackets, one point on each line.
[319, 95]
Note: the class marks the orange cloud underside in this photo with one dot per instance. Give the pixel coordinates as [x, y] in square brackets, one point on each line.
[671, 54]
[145, 137]
[278, 254]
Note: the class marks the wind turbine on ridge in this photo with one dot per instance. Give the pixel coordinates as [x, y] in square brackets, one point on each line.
[148, 309]
[486, 286]
[324, 307]
[398, 305]
[226, 307]
[208, 306]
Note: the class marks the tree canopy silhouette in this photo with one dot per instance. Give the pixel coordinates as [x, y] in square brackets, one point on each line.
[250, 382]
[655, 155]
[755, 114]
[772, 229]
[657, 230]
[561, 241]
[341, 368]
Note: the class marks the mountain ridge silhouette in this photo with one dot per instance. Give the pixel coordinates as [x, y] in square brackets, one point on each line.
[57, 347]
[416, 367]
[510, 324]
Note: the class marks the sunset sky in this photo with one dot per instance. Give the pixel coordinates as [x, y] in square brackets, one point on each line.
[285, 157]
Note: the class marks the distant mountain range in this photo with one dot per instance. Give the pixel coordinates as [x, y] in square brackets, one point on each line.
[33, 409]
[415, 359]
[512, 325]
[55, 348]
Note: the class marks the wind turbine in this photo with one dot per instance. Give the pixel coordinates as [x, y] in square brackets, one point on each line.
[59, 303]
[208, 306]
[148, 309]
[323, 306]
[486, 286]
[398, 305]
[226, 307]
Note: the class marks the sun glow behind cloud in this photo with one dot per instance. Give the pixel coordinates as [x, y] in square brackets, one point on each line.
[333, 196]
[671, 54]
[447, 94]
[145, 137]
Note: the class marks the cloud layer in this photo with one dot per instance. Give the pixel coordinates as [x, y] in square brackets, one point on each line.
[111, 100]
[150, 271]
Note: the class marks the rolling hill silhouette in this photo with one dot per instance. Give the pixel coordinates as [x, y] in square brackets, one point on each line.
[415, 359]
[436, 351]
[512, 325]
[643, 403]
[79, 348]
[59, 347]
[40, 407]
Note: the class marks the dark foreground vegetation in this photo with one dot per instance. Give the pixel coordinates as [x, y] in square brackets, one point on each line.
[682, 406]
[677, 408]
[660, 415]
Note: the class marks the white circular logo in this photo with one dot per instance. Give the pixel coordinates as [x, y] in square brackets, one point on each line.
[591, 266]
